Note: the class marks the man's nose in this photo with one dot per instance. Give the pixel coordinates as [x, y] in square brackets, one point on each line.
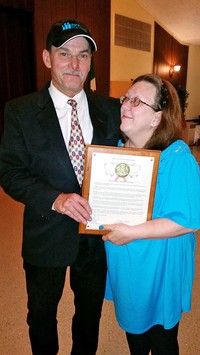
[74, 61]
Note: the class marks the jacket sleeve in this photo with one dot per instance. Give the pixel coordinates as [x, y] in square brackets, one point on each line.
[16, 175]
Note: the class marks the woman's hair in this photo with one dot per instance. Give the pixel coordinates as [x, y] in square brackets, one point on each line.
[167, 101]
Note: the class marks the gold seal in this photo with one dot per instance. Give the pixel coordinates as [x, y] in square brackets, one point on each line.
[122, 170]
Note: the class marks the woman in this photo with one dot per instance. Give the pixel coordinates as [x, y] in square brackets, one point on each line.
[151, 265]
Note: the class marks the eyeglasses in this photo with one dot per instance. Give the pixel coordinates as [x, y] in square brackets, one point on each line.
[135, 101]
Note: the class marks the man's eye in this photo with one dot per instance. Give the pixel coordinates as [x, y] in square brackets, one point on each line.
[67, 55]
[83, 56]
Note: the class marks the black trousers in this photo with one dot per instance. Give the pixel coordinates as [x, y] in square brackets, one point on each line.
[157, 339]
[45, 287]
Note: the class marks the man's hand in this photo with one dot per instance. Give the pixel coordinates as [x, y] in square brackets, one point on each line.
[73, 206]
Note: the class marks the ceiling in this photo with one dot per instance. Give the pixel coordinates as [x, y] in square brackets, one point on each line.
[180, 18]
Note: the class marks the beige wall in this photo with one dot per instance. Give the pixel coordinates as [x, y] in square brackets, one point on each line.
[127, 64]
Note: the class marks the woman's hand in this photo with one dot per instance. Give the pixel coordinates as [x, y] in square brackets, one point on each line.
[160, 228]
[119, 234]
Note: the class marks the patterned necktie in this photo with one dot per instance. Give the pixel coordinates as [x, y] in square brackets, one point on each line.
[76, 146]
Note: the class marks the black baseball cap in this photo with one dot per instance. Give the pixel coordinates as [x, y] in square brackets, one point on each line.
[65, 30]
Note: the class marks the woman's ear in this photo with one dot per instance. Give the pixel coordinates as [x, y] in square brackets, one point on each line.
[46, 58]
[156, 120]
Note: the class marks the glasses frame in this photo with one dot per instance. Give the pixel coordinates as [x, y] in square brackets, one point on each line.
[136, 103]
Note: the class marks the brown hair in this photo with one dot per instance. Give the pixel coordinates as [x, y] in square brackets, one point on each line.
[167, 101]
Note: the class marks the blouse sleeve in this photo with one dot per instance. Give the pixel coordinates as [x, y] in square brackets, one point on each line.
[178, 190]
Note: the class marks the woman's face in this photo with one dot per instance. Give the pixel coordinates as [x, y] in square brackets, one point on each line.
[139, 122]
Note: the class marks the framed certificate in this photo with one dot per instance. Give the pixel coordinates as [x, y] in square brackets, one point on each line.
[119, 184]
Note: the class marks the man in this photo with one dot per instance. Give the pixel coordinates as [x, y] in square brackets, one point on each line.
[36, 169]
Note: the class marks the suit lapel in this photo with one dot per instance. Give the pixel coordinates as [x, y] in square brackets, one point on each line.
[48, 121]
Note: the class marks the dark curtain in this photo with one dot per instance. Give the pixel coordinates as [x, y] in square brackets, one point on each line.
[16, 56]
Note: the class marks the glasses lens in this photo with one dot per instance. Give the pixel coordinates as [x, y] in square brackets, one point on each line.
[135, 101]
[123, 99]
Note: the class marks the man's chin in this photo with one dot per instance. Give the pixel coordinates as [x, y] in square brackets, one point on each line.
[74, 85]
[72, 90]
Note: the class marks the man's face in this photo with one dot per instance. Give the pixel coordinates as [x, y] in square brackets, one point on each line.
[69, 65]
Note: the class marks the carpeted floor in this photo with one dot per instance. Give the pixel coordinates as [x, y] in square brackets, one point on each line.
[13, 329]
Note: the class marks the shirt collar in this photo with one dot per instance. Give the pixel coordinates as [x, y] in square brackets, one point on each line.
[60, 99]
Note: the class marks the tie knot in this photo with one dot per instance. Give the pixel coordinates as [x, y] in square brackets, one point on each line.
[72, 102]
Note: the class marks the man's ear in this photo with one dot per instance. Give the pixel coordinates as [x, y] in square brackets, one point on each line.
[156, 120]
[46, 58]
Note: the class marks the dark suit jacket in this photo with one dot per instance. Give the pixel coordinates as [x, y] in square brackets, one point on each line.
[35, 168]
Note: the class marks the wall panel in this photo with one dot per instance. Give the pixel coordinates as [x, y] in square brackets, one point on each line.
[96, 16]
[47, 12]
[167, 52]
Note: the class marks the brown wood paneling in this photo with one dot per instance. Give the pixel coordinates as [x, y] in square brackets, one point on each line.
[180, 56]
[162, 52]
[46, 13]
[168, 51]
[96, 16]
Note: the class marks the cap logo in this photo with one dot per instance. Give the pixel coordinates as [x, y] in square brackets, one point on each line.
[69, 26]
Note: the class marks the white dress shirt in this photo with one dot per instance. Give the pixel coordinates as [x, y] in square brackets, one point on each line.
[63, 110]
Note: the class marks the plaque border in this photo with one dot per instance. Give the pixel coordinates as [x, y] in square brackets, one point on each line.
[90, 149]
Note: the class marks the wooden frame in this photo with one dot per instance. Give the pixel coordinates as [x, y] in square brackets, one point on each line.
[121, 166]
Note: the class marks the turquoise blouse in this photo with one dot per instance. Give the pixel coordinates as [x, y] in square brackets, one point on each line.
[150, 281]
